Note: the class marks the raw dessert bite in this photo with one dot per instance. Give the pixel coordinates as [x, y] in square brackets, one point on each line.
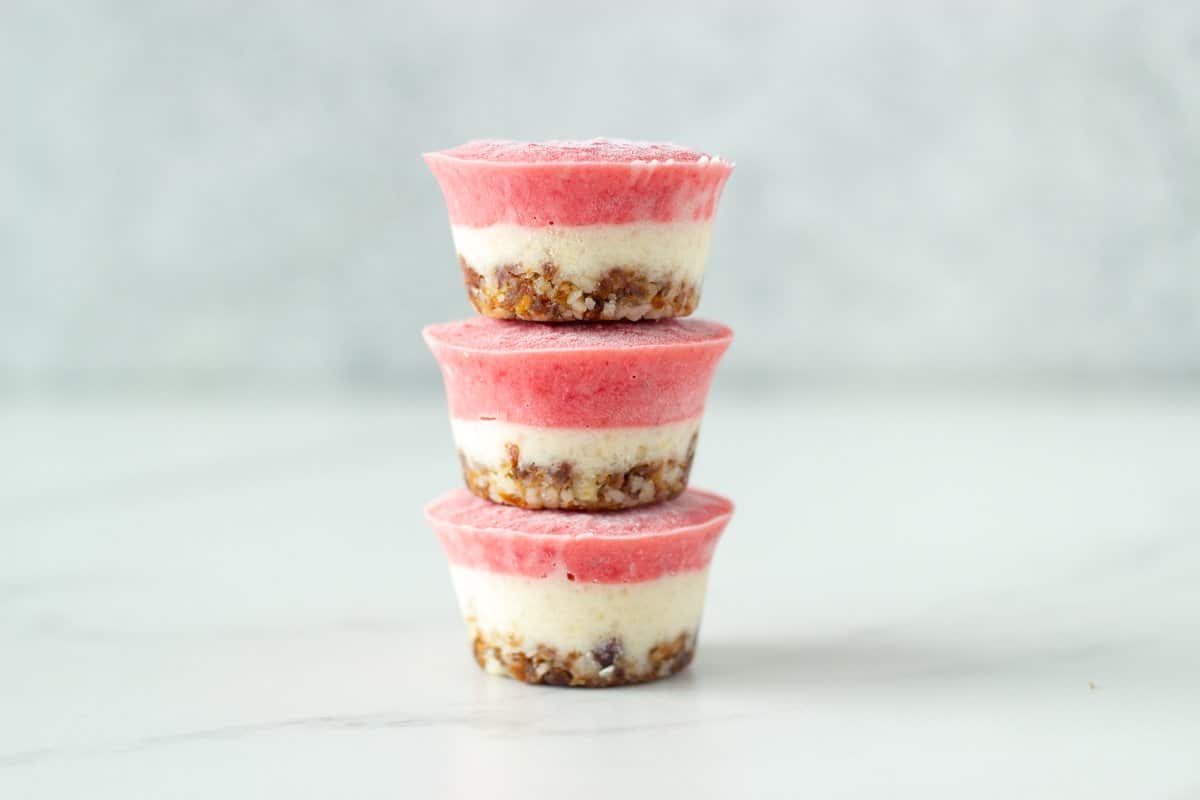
[580, 599]
[587, 416]
[596, 230]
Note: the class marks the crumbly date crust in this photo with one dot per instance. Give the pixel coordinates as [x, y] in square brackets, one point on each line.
[545, 296]
[563, 486]
[607, 664]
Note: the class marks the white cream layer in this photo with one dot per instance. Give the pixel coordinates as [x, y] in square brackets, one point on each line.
[588, 450]
[573, 615]
[675, 251]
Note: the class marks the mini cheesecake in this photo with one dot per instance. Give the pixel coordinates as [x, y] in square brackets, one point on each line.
[590, 416]
[596, 230]
[574, 599]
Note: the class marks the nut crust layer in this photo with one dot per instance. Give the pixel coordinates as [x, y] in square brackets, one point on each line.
[605, 665]
[543, 295]
[564, 486]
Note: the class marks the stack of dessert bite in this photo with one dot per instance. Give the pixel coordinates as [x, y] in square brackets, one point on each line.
[578, 553]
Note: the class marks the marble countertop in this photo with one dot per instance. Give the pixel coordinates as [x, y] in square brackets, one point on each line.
[955, 594]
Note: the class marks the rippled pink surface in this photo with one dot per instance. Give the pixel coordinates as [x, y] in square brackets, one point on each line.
[578, 375]
[538, 184]
[629, 546]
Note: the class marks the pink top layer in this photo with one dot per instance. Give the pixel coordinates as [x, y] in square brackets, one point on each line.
[639, 544]
[578, 375]
[577, 183]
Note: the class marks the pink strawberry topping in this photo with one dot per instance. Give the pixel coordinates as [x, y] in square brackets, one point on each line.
[579, 375]
[593, 182]
[630, 546]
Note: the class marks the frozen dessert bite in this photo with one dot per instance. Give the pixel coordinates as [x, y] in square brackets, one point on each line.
[573, 599]
[591, 230]
[590, 416]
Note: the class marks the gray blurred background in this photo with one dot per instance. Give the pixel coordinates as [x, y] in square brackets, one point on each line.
[225, 193]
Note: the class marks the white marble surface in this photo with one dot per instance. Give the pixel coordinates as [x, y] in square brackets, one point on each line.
[958, 595]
